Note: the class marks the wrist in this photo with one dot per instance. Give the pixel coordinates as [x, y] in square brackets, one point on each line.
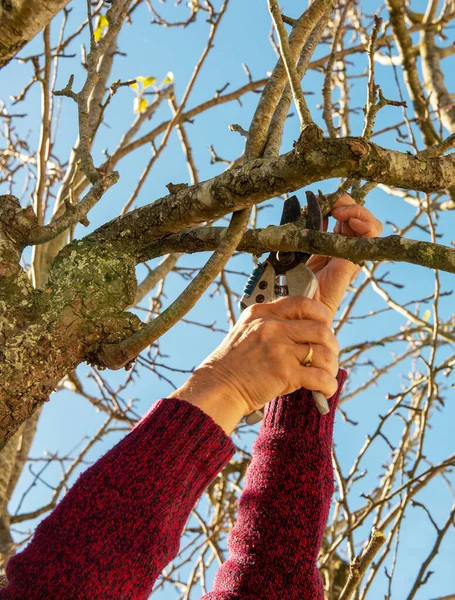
[213, 396]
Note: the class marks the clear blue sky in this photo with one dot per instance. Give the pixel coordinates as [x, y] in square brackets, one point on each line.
[243, 37]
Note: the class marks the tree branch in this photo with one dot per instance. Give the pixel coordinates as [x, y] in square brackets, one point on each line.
[311, 160]
[291, 238]
[21, 20]
[116, 356]
[361, 564]
[294, 79]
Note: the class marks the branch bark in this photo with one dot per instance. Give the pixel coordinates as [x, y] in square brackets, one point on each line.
[292, 238]
[313, 159]
[361, 564]
[21, 20]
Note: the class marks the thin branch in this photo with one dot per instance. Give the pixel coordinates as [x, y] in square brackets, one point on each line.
[294, 80]
[361, 564]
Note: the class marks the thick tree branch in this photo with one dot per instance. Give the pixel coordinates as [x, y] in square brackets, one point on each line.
[411, 76]
[289, 238]
[21, 20]
[439, 95]
[275, 85]
[311, 160]
[74, 213]
[273, 145]
[116, 356]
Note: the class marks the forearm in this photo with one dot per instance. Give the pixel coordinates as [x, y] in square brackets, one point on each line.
[284, 506]
[121, 522]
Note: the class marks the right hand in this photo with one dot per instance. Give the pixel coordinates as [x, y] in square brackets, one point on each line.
[261, 357]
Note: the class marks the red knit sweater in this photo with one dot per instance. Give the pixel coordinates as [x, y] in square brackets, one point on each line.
[120, 524]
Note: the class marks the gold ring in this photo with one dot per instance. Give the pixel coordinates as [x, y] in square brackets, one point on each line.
[307, 361]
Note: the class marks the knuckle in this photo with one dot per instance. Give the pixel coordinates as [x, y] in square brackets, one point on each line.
[327, 317]
[277, 302]
[328, 360]
[267, 329]
[335, 345]
[328, 339]
[305, 303]
[254, 311]
[312, 309]
[323, 333]
[329, 384]
[299, 304]
[281, 305]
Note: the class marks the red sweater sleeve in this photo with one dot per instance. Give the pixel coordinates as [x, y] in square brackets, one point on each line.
[120, 524]
[284, 507]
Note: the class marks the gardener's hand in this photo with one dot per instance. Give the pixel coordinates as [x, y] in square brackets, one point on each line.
[262, 357]
[335, 274]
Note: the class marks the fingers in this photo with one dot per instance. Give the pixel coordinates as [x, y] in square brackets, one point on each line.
[355, 220]
[296, 308]
[344, 200]
[322, 358]
[320, 375]
[319, 380]
[316, 333]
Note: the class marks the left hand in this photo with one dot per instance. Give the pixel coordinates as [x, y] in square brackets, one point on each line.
[335, 274]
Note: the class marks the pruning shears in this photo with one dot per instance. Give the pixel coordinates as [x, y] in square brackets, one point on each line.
[286, 274]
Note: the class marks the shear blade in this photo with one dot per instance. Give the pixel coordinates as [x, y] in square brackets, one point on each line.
[291, 210]
[314, 214]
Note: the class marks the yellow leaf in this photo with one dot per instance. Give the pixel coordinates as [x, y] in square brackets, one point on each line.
[101, 23]
[140, 104]
[169, 78]
[426, 316]
[98, 33]
[146, 81]
[134, 86]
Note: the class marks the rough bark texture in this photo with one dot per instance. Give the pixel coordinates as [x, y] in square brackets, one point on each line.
[313, 159]
[292, 237]
[21, 20]
[44, 334]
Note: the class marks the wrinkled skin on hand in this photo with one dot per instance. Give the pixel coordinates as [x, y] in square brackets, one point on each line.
[262, 355]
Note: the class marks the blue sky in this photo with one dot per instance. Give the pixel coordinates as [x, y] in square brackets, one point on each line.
[243, 37]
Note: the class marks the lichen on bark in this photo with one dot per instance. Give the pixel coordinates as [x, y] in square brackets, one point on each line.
[46, 333]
